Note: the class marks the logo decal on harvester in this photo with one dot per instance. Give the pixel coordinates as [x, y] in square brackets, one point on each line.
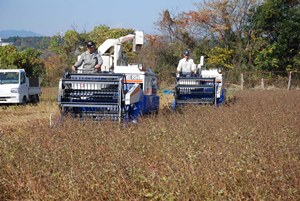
[134, 77]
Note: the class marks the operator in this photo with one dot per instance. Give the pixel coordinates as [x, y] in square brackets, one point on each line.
[90, 59]
[186, 65]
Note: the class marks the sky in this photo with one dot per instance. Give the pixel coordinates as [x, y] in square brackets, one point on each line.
[51, 17]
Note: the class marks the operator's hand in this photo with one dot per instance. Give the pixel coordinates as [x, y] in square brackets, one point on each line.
[74, 68]
[98, 68]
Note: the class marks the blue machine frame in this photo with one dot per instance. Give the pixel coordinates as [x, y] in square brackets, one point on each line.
[102, 96]
[197, 90]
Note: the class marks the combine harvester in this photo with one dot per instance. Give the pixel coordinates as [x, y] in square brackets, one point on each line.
[121, 92]
[203, 87]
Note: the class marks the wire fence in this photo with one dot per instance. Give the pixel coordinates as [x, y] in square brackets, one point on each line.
[261, 79]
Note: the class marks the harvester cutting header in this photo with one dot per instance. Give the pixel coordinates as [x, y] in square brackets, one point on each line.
[202, 87]
[121, 91]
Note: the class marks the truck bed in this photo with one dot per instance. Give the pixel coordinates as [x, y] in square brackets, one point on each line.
[34, 91]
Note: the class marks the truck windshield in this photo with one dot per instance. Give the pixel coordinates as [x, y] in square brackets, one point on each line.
[9, 77]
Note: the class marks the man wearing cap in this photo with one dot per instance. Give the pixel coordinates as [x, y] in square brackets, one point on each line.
[90, 60]
[186, 65]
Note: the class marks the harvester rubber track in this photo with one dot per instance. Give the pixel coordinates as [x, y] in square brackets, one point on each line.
[99, 96]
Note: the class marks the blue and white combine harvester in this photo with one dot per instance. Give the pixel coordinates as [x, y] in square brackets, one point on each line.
[203, 87]
[121, 92]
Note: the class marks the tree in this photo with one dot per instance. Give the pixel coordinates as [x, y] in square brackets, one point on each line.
[266, 59]
[71, 41]
[101, 33]
[66, 45]
[8, 57]
[223, 22]
[278, 23]
[220, 57]
[176, 30]
[28, 59]
[56, 43]
[214, 24]
[53, 70]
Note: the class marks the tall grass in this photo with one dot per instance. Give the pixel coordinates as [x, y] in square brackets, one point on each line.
[247, 150]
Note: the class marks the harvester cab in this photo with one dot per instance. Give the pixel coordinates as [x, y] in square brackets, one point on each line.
[119, 92]
[202, 87]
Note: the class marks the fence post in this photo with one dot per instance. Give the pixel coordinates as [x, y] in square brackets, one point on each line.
[262, 83]
[290, 81]
[242, 81]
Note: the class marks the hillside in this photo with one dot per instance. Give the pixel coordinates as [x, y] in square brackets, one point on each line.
[20, 33]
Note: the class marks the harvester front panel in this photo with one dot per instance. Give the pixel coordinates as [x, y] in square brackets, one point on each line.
[195, 90]
[93, 95]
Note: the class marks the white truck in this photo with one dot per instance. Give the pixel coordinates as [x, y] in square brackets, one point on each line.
[17, 88]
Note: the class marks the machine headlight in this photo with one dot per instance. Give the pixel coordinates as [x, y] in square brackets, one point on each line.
[14, 90]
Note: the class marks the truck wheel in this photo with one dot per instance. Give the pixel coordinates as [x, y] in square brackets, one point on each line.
[24, 101]
[36, 99]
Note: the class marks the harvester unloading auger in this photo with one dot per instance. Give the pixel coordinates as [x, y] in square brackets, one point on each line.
[202, 87]
[121, 92]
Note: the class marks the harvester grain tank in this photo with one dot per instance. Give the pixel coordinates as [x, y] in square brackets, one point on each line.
[202, 87]
[121, 91]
